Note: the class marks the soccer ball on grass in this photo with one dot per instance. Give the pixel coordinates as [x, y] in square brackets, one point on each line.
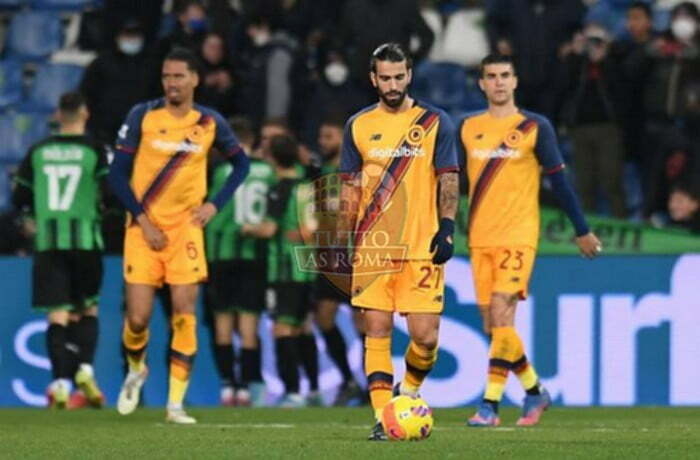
[406, 418]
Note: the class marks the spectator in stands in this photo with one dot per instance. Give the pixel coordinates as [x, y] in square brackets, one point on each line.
[107, 21]
[534, 31]
[273, 69]
[218, 86]
[684, 205]
[335, 96]
[366, 24]
[593, 114]
[190, 30]
[671, 93]
[116, 80]
[639, 34]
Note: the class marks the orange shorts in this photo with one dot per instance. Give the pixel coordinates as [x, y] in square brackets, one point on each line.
[182, 261]
[501, 269]
[418, 287]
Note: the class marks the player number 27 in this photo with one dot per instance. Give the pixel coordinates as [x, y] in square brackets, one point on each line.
[63, 183]
[429, 271]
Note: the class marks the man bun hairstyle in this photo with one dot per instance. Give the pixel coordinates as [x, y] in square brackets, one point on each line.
[392, 52]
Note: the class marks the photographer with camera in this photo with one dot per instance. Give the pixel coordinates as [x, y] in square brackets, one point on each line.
[592, 114]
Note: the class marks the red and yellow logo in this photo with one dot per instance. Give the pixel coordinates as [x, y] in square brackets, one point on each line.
[196, 134]
[415, 135]
[513, 138]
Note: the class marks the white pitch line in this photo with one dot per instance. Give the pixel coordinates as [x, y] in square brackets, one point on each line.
[234, 425]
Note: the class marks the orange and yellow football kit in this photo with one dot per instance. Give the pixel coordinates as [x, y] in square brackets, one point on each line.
[397, 158]
[504, 158]
[169, 180]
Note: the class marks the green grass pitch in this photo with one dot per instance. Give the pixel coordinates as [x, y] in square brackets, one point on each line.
[564, 433]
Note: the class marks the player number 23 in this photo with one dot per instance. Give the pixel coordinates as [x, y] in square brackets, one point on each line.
[515, 258]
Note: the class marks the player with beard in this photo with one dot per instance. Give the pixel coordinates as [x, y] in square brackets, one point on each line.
[398, 154]
[159, 173]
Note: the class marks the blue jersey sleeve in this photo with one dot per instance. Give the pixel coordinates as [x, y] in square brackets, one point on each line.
[445, 159]
[547, 148]
[350, 158]
[129, 135]
[460, 147]
[225, 141]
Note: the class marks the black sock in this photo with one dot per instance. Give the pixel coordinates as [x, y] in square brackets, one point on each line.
[288, 363]
[309, 358]
[88, 328]
[73, 346]
[534, 391]
[338, 351]
[58, 353]
[224, 358]
[494, 404]
[250, 366]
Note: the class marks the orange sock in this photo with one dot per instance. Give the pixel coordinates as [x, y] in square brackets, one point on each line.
[500, 362]
[379, 371]
[135, 345]
[182, 352]
[419, 362]
[522, 367]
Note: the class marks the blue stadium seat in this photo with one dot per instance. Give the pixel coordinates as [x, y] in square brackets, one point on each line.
[24, 42]
[72, 5]
[448, 86]
[10, 83]
[18, 132]
[50, 82]
[5, 189]
[12, 3]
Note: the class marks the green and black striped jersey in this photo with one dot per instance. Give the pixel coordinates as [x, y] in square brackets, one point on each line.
[291, 207]
[248, 206]
[64, 173]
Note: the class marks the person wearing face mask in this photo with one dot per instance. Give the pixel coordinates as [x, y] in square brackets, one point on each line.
[672, 65]
[190, 31]
[335, 94]
[116, 80]
[275, 73]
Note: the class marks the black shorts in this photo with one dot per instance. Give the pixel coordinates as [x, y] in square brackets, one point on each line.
[236, 286]
[325, 290]
[289, 303]
[66, 280]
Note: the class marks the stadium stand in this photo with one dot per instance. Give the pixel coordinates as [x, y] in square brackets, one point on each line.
[10, 83]
[18, 132]
[50, 82]
[24, 43]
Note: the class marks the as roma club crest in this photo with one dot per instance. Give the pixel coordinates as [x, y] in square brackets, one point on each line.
[415, 135]
[196, 134]
[513, 139]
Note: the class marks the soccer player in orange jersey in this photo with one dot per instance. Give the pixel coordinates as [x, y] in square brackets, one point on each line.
[159, 174]
[505, 150]
[397, 157]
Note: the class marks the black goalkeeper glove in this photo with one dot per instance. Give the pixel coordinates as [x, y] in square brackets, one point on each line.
[442, 244]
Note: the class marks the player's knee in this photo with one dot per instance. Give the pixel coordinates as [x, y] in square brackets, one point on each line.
[426, 339]
[284, 330]
[137, 323]
[325, 322]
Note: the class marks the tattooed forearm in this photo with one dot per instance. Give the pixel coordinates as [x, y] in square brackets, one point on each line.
[449, 194]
